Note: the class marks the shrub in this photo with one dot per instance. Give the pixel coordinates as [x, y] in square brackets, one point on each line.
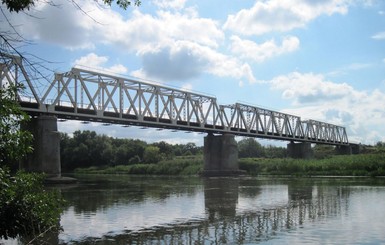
[134, 160]
[26, 209]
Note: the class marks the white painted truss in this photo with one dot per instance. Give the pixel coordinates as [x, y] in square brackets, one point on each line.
[94, 96]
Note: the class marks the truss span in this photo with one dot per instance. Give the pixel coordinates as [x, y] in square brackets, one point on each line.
[86, 95]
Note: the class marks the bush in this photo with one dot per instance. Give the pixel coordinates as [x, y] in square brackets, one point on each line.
[353, 165]
[134, 160]
[26, 209]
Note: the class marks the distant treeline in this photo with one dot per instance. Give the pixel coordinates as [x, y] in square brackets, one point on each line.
[86, 149]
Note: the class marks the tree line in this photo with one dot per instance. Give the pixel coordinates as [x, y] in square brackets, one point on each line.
[86, 149]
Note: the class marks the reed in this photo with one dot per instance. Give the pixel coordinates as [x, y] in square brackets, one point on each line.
[177, 166]
[342, 165]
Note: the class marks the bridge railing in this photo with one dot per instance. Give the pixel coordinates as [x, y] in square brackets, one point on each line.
[93, 96]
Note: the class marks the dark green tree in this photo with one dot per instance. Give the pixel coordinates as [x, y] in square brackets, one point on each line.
[165, 149]
[151, 154]
[249, 147]
[14, 142]
[26, 209]
[275, 151]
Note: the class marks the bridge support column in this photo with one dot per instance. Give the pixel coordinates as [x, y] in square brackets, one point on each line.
[46, 144]
[220, 155]
[344, 150]
[300, 150]
[356, 148]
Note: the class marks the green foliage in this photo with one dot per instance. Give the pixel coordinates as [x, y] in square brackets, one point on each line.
[26, 209]
[18, 5]
[86, 149]
[134, 160]
[323, 151]
[250, 147]
[151, 154]
[177, 166]
[14, 142]
[21, 5]
[122, 3]
[342, 165]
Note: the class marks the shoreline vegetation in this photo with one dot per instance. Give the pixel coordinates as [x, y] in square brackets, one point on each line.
[369, 165]
[89, 153]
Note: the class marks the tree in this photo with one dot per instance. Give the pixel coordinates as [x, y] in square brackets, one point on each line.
[275, 151]
[165, 149]
[151, 154]
[22, 5]
[25, 208]
[15, 143]
[249, 147]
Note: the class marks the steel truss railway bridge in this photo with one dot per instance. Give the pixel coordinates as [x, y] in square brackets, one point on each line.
[91, 96]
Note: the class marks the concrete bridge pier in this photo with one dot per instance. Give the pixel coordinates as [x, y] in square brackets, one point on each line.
[220, 155]
[300, 150]
[45, 157]
[344, 149]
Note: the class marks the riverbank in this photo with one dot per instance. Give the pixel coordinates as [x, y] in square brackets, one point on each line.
[343, 165]
[187, 165]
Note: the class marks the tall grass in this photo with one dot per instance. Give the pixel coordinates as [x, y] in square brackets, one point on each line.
[343, 165]
[177, 166]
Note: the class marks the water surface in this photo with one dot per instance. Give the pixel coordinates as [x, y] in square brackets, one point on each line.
[190, 210]
[246, 210]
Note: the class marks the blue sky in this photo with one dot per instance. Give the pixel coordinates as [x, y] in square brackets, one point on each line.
[318, 59]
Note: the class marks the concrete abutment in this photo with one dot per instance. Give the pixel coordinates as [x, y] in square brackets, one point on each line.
[45, 157]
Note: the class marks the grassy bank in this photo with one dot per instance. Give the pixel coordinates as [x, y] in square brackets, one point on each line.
[343, 165]
[189, 165]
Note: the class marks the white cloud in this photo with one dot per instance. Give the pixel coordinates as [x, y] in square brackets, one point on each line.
[312, 96]
[170, 45]
[349, 68]
[184, 60]
[379, 36]
[69, 27]
[260, 52]
[281, 15]
[62, 24]
[174, 4]
[144, 32]
[93, 61]
[310, 88]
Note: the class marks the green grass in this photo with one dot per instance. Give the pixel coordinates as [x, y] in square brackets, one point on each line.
[177, 166]
[343, 165]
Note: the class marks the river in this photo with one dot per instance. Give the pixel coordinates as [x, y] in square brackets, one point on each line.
[245, 210]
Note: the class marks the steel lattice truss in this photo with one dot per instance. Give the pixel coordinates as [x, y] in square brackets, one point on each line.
[93, 96]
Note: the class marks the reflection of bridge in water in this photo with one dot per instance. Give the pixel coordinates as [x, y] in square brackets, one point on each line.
[98, 97]
[225, 223]
[225, 226]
